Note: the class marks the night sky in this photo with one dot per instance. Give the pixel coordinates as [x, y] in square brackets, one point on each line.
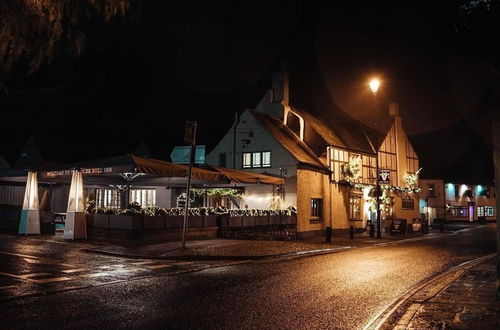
[142, 74]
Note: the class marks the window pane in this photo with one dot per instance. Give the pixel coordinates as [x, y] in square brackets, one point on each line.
[247, 159]
[256, 159]
[266, 159]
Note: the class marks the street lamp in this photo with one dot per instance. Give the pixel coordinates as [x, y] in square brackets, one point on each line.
[374, 85]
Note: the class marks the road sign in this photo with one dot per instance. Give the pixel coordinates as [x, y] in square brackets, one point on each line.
[180, 155]
[190, 133]
[384, 176]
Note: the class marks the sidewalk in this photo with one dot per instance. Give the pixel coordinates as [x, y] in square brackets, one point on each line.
[224, 249]
[461, 300]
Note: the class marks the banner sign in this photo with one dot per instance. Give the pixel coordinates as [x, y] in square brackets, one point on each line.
[98, 170]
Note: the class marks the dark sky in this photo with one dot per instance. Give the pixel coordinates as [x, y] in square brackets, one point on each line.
[141, 76]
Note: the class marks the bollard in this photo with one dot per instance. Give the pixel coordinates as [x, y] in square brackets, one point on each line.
[351, 232]
[328, 235]
[372, 230]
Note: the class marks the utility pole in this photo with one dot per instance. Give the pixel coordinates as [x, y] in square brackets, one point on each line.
[189, 138]
[496, 159]
[378, 193]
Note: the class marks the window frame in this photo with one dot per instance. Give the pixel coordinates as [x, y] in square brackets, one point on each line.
[316, 208]
[144, 196]
[358, 198]
[252, 155]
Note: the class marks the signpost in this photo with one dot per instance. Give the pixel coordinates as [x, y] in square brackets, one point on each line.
[190, 139]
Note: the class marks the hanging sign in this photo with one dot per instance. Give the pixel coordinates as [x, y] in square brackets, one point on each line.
[384, 176]
[408, 203]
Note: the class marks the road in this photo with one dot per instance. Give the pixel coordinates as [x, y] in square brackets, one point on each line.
[343, 290]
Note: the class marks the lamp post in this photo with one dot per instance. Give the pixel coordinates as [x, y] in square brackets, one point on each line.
[374, 85]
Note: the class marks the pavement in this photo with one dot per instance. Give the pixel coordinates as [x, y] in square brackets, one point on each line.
[460, 298]
[225, 249]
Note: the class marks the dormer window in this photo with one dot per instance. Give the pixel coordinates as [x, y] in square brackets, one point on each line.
[295, 123]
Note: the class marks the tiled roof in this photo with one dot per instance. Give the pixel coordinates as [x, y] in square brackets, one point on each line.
[288, 139]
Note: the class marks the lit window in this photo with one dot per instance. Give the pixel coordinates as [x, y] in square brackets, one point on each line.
[316, 207]
[432, 192]
[480, 211]
[489, 211]
[247, 159]
[107, 198]
[355, 207]
[145, 197]
[460, 211]
[266, 159]
[256, 159]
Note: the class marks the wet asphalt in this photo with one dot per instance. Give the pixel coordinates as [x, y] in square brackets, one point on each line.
[55, 285]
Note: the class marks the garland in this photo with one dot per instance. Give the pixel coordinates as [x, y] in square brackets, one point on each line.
[216, 192]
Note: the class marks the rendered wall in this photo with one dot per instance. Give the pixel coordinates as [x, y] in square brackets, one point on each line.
[312, 184]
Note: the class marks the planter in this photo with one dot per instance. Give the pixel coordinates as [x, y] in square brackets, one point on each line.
[248, 220]
[195, 221]
[174, 221]
[235, 221]
[100, 221]
[211, 220]
[89, 220]
[154, 221]
[262, 220]
[289, 219]
[223, 221]
[275, 219]
[125, 222]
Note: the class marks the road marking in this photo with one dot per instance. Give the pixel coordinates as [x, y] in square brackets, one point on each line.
[19, 255]
[52, 279]
[408, 315]
[182, 263]
[96, 274]
[29, 276]
[7, 287]
[155, 267]
[143, 263]
[24, 276]
[76, 270]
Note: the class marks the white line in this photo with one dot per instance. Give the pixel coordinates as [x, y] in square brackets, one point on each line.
[19, 255]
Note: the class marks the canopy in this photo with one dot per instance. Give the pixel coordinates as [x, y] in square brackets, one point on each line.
[112, 167]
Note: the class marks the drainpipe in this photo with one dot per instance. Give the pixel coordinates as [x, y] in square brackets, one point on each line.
[236, 122]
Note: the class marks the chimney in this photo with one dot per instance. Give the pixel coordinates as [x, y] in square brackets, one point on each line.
[394, 109]
[280, 87]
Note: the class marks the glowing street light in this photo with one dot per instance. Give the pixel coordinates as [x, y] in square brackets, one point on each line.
[374, 85]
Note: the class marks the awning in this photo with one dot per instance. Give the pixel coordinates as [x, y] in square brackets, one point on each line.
[166, 169]
[111, 167]
[238, 176]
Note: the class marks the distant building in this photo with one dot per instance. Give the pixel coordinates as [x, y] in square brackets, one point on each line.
[328, 161]
[457, 201]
